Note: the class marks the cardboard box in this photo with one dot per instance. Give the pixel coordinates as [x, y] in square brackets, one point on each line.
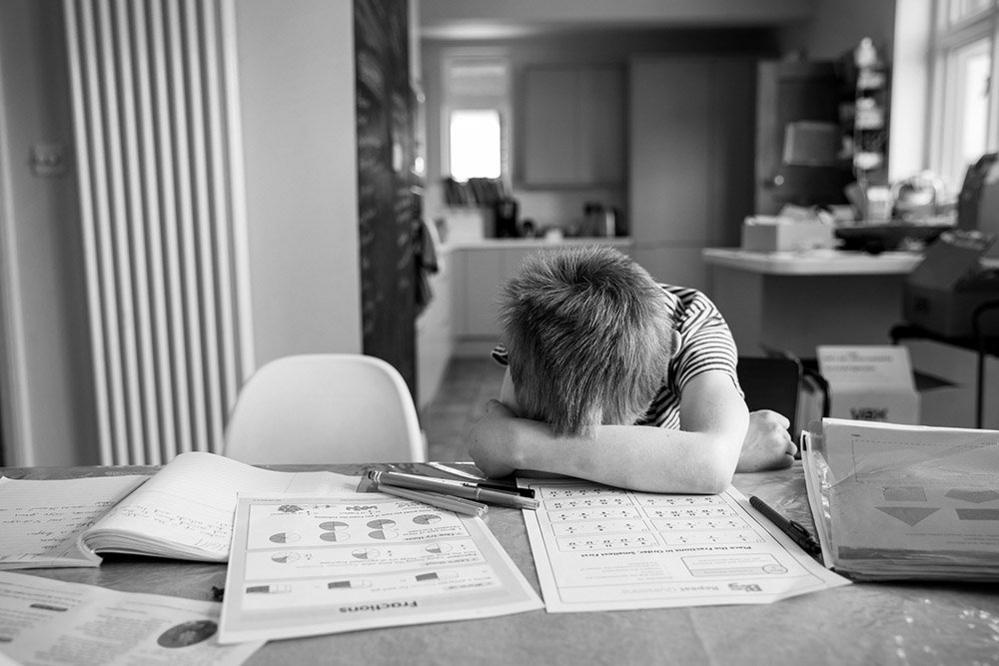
[942, 292]
[761, 233]
[870, 383]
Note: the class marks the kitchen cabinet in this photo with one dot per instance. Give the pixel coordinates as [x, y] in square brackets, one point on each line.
[691, 160]
[478, 272]
[574, 126]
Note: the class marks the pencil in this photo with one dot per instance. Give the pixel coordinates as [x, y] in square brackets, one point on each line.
[456, 504]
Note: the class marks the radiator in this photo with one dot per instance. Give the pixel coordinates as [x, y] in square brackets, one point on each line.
[156, 131]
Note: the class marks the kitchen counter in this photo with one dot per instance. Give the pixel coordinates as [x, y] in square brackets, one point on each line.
[814, 262]
[797, 301]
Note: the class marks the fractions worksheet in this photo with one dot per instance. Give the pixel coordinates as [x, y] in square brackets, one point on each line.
[313, 565]
[602, 548]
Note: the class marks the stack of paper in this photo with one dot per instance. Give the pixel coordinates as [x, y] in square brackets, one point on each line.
[904, 502]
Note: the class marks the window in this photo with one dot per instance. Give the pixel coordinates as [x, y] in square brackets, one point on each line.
[476, 113]
[965, 55]
[475, 139]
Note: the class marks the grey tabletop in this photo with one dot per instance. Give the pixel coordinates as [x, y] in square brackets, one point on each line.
[865, 623]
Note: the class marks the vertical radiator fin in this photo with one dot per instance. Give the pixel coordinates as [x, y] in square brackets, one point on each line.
[154, 109]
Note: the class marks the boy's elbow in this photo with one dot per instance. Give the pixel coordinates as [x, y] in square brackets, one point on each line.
[716, 471]
[712, 479]
[718, 480]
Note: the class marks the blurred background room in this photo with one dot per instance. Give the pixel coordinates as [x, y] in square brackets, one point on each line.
[191, 189]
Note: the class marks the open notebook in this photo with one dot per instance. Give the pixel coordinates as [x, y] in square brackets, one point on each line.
[183, 511]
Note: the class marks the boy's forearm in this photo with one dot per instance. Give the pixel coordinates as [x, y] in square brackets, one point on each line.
[637, 457]
[701, 458]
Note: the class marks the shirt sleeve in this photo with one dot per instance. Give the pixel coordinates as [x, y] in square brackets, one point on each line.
[706, 343]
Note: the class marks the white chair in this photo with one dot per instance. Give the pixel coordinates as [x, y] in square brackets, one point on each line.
[325, 408]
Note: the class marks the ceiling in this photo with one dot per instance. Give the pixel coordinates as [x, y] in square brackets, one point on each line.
[504, 19]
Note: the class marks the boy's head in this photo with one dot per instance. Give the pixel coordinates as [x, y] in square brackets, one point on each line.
[589, 337]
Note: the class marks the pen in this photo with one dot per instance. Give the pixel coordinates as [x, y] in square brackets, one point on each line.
[481, 482]
[793, 529]
[447, 487]
[456, 504]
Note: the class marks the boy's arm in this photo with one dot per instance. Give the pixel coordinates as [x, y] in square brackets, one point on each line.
[701, 458]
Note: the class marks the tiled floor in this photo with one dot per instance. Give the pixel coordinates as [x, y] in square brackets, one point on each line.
[468, 383]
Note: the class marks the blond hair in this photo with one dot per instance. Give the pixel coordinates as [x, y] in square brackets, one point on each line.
[589, 338]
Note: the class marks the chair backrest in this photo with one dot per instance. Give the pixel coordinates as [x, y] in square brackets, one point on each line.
[772, 383]
[325, 408]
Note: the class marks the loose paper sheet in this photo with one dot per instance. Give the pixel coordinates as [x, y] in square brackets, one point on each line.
[598, 548]
[45, 622]
[309, 565]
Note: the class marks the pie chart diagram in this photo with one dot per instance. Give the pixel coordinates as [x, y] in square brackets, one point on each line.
[365, 554]
[284, 558]
[285, 537]
[334, 536]
[437, 548]
[380, 523]
[381, 535]
[333, 525]
[427, 519]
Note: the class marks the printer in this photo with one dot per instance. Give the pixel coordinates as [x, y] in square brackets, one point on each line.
[942, 293]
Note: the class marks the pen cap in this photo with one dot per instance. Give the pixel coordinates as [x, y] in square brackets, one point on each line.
[369, 482]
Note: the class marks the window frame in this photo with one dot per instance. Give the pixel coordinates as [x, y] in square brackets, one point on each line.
[499, 102]
[949, 37]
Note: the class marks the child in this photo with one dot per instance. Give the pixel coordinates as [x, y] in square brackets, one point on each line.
[615, 378]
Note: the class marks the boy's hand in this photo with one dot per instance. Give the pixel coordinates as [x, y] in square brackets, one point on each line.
[768, 444]
[490, 440]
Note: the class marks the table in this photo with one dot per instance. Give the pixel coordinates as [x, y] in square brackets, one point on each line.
[794, 301]
[883, 623]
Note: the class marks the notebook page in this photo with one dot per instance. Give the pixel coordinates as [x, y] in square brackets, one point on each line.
[41, 520]
[188, 505]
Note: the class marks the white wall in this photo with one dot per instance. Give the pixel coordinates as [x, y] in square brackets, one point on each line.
[48, 412]
[296, 77]
[297, 81]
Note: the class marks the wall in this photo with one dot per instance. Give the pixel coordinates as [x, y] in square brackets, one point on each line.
[296, 74]
[296, 80]
[837, 26]
[614, 47]
[48, 416]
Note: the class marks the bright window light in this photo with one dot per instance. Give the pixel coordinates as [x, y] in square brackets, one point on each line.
[475, 142]
[966, 111]
[964, 123]
[975, 66]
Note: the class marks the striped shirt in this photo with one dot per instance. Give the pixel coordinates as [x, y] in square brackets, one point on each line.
[705, 343]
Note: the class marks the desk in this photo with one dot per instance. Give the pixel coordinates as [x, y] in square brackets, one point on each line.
[908, 624]
[795, 301]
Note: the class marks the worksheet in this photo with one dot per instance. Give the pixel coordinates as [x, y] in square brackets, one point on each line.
[301, 566]
[50, 622]
[599, 548]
